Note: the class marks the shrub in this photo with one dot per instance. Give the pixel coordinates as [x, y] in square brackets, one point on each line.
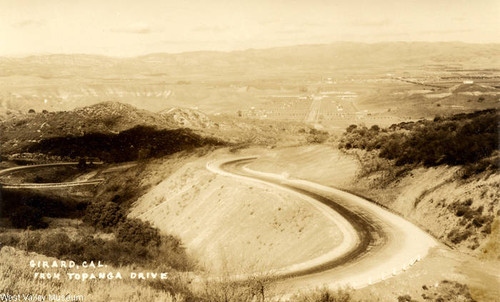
[56, 244]
[405, 298]
[103, 215]
[324, 295]
[317, 136]
[351, 128]
[9, 239]
[456, 236]
[172, 254]
[138, 232]
[486, 164]
[175, 285]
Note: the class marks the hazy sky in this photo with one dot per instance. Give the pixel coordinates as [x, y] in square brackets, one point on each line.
[127, 28]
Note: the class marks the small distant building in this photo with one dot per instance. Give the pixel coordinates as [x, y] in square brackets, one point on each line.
[468, 82]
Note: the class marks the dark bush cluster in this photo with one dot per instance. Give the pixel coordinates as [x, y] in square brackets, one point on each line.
[485, 164]
[138, 232]
[134, 241]
[27, 208]
[446, 291]
[325, 295]
[137, 237]
[109, 216]
[103, 215]
[137, 143]
[58, 244]
[317, 136]
[472, 221]
[457, 235]
[406, 298]
[457, 140]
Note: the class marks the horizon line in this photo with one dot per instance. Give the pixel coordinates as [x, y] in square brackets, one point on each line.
[41, 54]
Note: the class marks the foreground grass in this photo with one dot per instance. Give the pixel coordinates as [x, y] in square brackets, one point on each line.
[17, 277]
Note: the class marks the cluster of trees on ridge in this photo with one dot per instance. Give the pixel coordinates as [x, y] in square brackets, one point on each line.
[460, 139]
[137, 143]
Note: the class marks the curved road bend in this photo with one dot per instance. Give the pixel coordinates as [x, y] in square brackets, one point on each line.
[45, 185]
[387, 244]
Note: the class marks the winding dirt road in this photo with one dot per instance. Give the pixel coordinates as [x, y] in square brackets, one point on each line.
[382, 245]
[45, 185]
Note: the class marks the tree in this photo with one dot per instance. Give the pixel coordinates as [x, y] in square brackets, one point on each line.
[103, 215]
[138, 232]
[351, 127]
[317, 136]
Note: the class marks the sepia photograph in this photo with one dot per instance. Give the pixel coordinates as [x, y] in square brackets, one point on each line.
[250, 151]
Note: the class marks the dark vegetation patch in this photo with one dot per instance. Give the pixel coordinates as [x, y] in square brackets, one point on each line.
[130, 241]
[106, 233]
[317, 136]
[445, 291]
[462, 139]
[140, 142]
[166, 252]
[26, 216]
[27, 208]
[325, 295]
[110, 217]
[485, 164]
[125, 188]
[471, 223]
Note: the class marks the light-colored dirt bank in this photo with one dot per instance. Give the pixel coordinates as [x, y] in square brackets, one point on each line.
[319, 163]
[236, 226]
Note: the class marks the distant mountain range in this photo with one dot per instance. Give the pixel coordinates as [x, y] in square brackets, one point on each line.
[336, 56]
[227, 82]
